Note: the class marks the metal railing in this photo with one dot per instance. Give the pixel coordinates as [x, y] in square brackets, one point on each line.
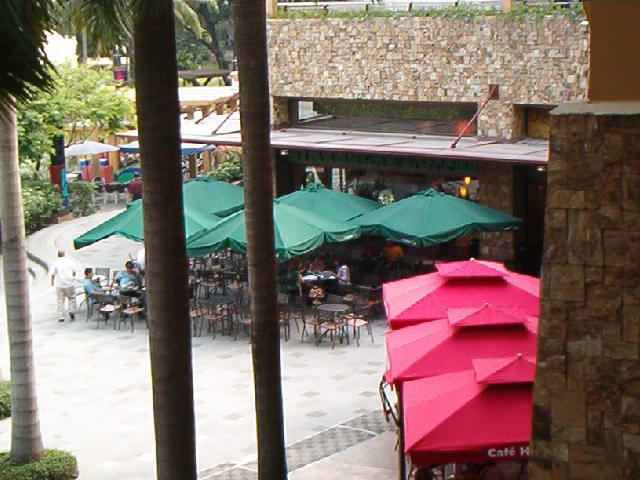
[400, 5]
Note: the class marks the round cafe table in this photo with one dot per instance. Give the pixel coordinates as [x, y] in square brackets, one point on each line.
[334, 309]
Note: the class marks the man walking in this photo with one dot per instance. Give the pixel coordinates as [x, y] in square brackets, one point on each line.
[62, 276]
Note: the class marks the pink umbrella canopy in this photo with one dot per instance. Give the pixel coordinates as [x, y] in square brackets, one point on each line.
[473, 416]
[468, 284]
[451, 345]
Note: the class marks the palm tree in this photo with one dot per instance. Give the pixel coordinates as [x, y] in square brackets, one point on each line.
[24, 65]
[158, 112]
[166, 264]
[249, 18]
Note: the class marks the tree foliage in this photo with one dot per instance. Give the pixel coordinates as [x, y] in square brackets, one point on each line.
[229, 169]
[41, 201]
[82, 101]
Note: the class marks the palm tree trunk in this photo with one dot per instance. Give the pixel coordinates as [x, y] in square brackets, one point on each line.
[166, 262]
[26, 441]
[251, 43]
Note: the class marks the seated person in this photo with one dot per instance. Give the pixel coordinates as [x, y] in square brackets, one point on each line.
[127, 279]
[343, 274]
[90, 285]
[393, 253]
[317, 266]
[293, 281]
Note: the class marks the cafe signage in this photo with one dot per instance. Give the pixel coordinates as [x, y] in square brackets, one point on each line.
[508, 452]
[381, 162]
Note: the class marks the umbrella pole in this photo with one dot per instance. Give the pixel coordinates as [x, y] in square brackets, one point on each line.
[402, 465]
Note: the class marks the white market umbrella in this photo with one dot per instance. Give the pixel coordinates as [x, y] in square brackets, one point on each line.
[88, 147]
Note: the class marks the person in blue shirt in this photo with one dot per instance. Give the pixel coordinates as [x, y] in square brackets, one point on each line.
[90, 286]
[127, 279]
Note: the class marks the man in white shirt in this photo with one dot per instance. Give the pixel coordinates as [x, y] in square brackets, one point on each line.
[140, 259]
[62, 277]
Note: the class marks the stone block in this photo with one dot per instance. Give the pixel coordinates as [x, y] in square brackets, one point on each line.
[595, 427]
[621, 350]
[593, 275]
[631, 442]
[631, 323]
[615, 248]
[631, 192]
[567, 282]
[584, 239]
[568, 409]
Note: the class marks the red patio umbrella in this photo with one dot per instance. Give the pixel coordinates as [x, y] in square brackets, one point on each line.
[458, 284]
[474, 416]
[450, 345]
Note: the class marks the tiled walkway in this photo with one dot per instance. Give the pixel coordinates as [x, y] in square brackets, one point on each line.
[305, 452]
[95, 394]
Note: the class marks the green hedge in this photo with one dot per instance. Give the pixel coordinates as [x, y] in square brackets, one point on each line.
[5, 400]
[41, 201]
[54, 465]
[81, 198]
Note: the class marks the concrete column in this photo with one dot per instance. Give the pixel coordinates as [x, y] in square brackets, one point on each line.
[586, 419]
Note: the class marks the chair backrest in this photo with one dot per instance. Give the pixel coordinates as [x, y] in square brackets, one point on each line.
[101, 271]
[331, 298]
[283, 299]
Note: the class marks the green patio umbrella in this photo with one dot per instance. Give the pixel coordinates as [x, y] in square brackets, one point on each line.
[213, 196]
[431, 217]
[129, 224]
[297, 231]
[205, 201]
[332, 203]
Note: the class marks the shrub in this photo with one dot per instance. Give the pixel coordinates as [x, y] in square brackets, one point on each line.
[41, 201]
[81, 198]
[230, 167]
[54, 465]
[5, 400]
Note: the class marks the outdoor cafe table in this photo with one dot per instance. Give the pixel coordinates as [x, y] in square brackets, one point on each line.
[335, 310]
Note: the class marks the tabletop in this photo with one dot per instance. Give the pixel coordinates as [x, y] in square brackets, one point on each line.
[333, 307]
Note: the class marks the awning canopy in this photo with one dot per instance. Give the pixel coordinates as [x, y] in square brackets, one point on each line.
[185, 148]
[431, 217]
[377, 144]
[334, 204]
[297, 231]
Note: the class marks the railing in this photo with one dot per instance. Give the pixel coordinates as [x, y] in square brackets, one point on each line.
[401, 5]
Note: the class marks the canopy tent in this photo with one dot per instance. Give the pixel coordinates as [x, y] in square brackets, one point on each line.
[431, 217]
[451, 345]
[479, 415]
[205, 201]
[213, 196]
[88, 147]
[468, 284]
[297, 231]
[332, 203]
[185, 148]
[129, 224]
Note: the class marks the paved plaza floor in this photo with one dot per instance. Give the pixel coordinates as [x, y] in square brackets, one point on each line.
[95, 393]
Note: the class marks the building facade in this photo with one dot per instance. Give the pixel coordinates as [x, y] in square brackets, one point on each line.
[425, 78]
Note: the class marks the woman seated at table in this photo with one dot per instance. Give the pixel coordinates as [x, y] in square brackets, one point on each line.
[127, 279]
[293, 281]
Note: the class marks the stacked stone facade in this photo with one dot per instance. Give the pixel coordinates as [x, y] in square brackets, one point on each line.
[587, 392]
[496, 191]
[538, 61]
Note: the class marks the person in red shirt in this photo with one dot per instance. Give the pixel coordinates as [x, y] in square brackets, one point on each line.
[135, 187]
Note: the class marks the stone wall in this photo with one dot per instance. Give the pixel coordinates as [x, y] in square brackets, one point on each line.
[542, 61]
[587, 392]
[496, 191]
